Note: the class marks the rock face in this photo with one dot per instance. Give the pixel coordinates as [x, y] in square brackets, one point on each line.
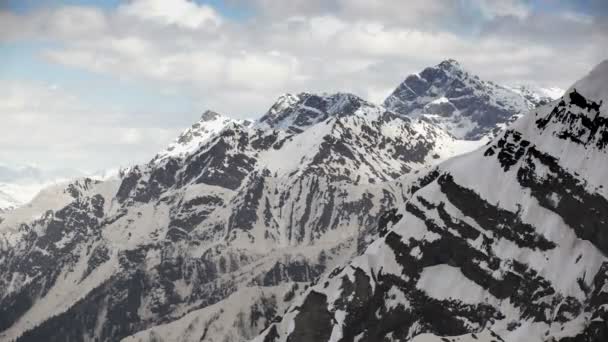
[219, 233]
[508, 243]
[463, 104]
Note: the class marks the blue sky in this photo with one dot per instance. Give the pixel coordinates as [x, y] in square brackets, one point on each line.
[234, 11]
[94, 84]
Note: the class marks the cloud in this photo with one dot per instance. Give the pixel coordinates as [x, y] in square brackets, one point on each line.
[43, 123]
[308, 45]
[239, 67]
[184, 14]
[515, 8]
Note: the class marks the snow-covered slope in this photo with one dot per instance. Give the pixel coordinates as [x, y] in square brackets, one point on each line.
[191, 139]
[460, 102]
[231, 213]
[537, 95]
[7, 201]
[508, 243]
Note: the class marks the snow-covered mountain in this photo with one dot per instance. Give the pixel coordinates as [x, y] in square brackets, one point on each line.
[537, 95]
[220, 236]
[7, 201]
[462, 103]
[190, 140]
[20, 185]
[508, 243]
[233, 213]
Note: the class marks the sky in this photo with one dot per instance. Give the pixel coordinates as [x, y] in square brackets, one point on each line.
[98, 84]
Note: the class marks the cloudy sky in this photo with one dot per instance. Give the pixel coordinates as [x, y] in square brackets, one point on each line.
[96, 84]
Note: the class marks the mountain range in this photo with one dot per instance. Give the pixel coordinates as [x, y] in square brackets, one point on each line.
[514, 251]
[445, 214]
[20, 184]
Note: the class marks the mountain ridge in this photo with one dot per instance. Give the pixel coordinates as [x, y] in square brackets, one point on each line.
[253, 213]
[248, 211]
[460, 102]
[514, 251]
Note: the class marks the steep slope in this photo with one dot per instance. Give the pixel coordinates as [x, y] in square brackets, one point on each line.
[508, 243]
[192, 138]
[241, 214]
[460, 102]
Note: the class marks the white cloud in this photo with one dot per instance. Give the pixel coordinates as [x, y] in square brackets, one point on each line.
[181, 13]
[44, 124]
[308, 45]
[240, 67]
[73, 20]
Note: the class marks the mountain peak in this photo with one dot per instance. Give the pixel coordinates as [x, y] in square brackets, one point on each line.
[460, 102]
[450, 64]
[296, 112]
[594, 86]
[579, 118]
[210, 115]
[189, 140]
[284, 101]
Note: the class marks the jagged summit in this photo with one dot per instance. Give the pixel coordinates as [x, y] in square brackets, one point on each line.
[296, 112]
[284, 101]
[450, 64]
[188, 141]
[594, 85]
[460, 102]
[210, 115]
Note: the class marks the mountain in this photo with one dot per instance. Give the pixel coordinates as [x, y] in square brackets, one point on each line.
[462, 103]
[18, 185]
[537, 95]
[219, 233]
[507, 243]
[190, 140]
[7, 202]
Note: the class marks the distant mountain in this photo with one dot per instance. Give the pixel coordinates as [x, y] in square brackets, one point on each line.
[219, 232]
[7, 202]
[20, 184]
[507, 243]
[462, 103]
[33, 174]
[537, 95]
